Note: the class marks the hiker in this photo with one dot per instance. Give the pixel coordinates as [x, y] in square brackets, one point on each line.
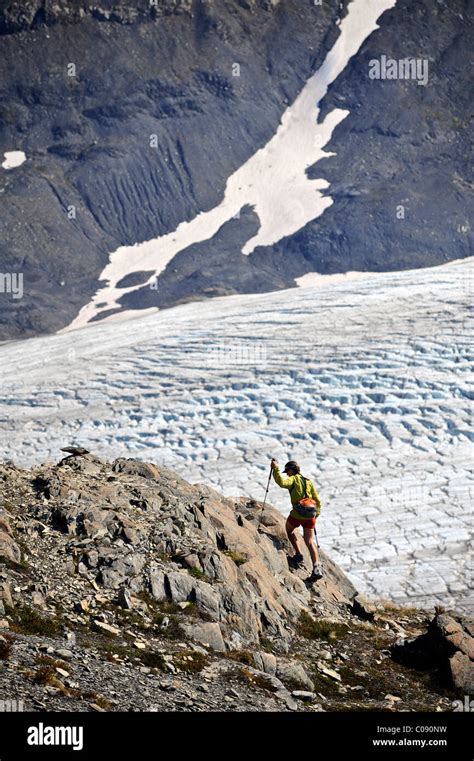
[306, 508]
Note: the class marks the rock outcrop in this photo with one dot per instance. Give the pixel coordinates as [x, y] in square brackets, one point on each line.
[447, 646]
[9, 550]
[134, 526]
[21, 16]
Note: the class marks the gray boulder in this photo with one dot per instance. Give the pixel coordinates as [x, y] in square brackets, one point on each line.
[266, 662]
[9, 550]
[157, 584]
[136, 468]
[180, 586]
[207, 600]
[293, 675]
[363, 607]
[208, 634]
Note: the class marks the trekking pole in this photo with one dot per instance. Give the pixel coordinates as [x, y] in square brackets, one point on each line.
[265, 499]
[317, 544]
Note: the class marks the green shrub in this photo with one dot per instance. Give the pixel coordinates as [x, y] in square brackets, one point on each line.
[167, 607]
[99, 700]
[328, 630]
[236, 557]
[266, 645]
[45, 675]
[26, 620]
[45, 660]
[152, 659]
[197, 573]
[241, 656]
[172, 631]
[110, 649]
[190, 661]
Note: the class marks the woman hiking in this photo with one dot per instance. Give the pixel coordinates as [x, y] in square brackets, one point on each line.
[306, 508]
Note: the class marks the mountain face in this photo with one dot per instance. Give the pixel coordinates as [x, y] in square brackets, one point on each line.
[123, 587]
[133, 116]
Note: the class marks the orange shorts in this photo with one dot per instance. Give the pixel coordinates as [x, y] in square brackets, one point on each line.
[305, 522]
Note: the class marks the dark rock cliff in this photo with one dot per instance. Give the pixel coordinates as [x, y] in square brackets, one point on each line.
[84, 85]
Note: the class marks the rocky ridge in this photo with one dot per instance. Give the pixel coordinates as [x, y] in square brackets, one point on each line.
[123, 587]
[35, 14]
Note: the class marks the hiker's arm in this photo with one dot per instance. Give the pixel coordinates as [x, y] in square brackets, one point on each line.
[285, 483]
[315, 496]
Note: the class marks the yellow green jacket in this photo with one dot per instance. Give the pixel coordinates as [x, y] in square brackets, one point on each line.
[295, 485]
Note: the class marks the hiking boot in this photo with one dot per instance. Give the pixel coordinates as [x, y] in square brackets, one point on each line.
[298, 560]
[317, 572]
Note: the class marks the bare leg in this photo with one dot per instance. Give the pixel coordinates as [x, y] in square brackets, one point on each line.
[308, 534]
[290, 532]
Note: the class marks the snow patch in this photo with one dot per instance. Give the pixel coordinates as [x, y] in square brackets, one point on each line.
[317, 280]
[273, 181]
[13, 159]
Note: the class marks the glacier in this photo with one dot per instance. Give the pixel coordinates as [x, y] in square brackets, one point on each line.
[364, 381]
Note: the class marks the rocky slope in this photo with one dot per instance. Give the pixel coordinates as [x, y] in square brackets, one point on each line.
[122, 587]
[91, 181]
